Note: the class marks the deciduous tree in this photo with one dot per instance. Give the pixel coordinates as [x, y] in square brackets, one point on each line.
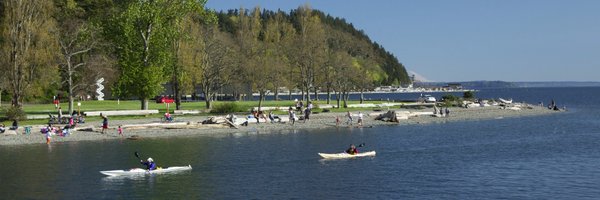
[29, 46]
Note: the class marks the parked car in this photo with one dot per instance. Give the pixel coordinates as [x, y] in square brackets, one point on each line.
[164, 99]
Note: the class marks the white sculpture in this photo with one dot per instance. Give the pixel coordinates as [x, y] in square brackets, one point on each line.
[99, 93]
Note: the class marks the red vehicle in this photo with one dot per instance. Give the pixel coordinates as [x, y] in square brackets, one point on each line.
[164, 99]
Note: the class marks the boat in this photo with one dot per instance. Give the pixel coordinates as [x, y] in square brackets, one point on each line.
[346, 155]
[140, 171]
[505, 101]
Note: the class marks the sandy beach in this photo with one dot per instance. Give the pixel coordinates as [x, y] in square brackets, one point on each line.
[187, 126]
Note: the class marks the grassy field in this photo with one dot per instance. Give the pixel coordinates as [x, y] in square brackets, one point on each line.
[44, 109]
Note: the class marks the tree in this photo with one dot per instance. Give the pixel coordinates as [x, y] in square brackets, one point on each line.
[251, 58]
[28, 52]
[310, 47]
[207, 58]
[144, 34]
[76, 37]
[344, 74]
[188, 31]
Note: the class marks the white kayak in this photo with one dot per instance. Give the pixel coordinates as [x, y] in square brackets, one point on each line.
[346, 155]
[140, 171]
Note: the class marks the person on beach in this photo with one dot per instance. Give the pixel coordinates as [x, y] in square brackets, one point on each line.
[306, 114]
[120, 130]
[71, 122]
[309, 106]
[337, 120]
[150, 164]
[298, 106]
[352, 150]
[2, 128]
[349, 115]
[292, 116]
[59, 114]
[48, 136]
[168, 117]
[360, 119]
[271, 116]
[15, 125]
[104, 123]
[262, 115]
[447, 112]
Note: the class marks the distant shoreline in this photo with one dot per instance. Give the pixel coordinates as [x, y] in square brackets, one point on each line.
[317, 121]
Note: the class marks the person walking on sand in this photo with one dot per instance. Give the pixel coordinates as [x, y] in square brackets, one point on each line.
[104, 123]
[349, 115]
[120, 130]
[337, 120]
[292, 115]
[360, 119]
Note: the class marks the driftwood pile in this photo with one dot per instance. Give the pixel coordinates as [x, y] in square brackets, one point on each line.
[389, 116]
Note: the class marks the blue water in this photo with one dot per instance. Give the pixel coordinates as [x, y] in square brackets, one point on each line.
[544, 157]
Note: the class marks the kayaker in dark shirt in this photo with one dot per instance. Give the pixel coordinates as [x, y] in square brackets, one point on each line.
[150, 165]
[352, 149]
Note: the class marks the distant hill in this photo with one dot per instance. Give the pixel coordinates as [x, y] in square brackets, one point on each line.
[470, 84]
[558, 84]
[504, 84]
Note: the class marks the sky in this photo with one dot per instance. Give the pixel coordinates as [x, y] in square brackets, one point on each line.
[468, 40]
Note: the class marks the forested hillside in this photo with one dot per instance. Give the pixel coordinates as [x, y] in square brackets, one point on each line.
[63, 47]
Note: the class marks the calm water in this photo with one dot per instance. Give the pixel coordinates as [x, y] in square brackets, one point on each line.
[546, 157]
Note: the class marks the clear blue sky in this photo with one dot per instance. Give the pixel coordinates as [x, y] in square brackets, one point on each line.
[464, 40]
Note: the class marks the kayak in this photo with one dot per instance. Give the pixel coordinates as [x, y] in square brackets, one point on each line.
[140, 171]
[346, 155]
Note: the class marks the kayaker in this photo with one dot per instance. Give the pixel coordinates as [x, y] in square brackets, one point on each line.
[150, 164]
[352, 150]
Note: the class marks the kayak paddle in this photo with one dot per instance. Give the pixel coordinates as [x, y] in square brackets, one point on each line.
[360, 145]
[137, 155]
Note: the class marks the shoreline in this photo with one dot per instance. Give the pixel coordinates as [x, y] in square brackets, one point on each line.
[317, 121]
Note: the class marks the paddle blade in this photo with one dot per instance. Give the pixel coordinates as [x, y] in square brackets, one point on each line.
[361, 145]
[137, 154]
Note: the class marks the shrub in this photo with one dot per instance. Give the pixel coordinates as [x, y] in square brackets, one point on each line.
[449, 98]
[15, 113]
[468, 95]
[227, 107]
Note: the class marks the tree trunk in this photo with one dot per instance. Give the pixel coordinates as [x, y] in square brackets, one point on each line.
[328, 95]
[290, 95]
[207, 97]
[177, 94]
[208, 100]
[345, 97]
[337, 98]
[276, 97]
[260, 99]
[316, 95]
[144, 102]
[362, 97]
[15, 101]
